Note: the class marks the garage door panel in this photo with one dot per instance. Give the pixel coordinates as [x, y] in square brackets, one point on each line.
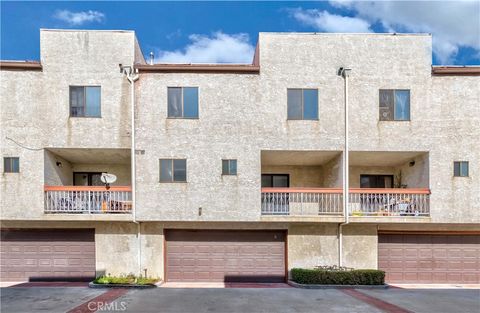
[44, 254]
[470, 265]
[409, 258]
[225, 255]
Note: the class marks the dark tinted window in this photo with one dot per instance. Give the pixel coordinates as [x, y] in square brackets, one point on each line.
[229, 167]
[11, 165]
[302, 104]
[460, 169]
[183, 102]
[276, 180]
[175, 102]
[85, 101]
[173, 170]
[394, 105]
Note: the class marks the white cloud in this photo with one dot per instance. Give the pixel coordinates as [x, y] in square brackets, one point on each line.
[325, 21]
[218, 48]
[452, 24]
[79, 18]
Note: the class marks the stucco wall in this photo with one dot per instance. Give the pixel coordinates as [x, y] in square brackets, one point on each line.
[360, 246]
[333, 173]
[35, 110]
[312, 245]
[416, 176]
[57, 175]
[239, 116]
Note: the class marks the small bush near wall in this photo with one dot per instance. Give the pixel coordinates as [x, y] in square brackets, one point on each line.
[125, 280]
[337, 277]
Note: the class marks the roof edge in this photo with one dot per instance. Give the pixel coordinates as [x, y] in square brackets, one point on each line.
[451, 70]
[199, 68]
[86, 30]
[21, 65]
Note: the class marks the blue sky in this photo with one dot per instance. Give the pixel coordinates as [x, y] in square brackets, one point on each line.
[227, 31]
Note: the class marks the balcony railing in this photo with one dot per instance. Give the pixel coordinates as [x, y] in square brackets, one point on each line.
[389, 202]
[301, 201]
[363, 201]
[88, 199]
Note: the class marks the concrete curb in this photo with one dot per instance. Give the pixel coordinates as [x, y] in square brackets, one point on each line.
[303, 286]
[93, 285]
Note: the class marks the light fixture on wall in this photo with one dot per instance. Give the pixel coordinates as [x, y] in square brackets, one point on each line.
[59, 164]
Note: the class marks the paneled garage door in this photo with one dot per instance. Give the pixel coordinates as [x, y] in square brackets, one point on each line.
[36, 255]
[225, 256]
[410, 258]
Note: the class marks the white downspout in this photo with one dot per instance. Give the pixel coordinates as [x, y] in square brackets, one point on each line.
[344, 72]
[132, 78]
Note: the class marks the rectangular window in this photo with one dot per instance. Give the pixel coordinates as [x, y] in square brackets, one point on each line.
[302, 104]
[460, 169]
[376, 181]
[85, 101]
[229, 167]
[183, 102]
[394, 105]
[11, 165]
[276, 180]
[173, 170]
[87, 179]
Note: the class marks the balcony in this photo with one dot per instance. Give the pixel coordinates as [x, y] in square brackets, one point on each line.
[366, 202]
[88, 199]
[307, 184]
[73, 185]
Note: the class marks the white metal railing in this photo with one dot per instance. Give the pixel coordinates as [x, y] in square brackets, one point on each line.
[362, 201]
[389, 202]
[88, 199]
[301, 201]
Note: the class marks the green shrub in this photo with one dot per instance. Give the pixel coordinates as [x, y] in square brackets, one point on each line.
[334, 277]
[125, 280]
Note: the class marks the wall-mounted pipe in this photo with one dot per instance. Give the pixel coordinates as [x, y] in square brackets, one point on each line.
[132, 77]
[344, 73]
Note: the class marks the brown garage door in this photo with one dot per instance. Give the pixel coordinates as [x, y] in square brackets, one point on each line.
[245, 256]
[409, 258]
[35, 255]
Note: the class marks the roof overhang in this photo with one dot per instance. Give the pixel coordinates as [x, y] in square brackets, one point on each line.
[21, 65]
[456, 70]
[199, 68]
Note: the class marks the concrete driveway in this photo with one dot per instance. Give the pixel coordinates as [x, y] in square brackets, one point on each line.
[232, 300]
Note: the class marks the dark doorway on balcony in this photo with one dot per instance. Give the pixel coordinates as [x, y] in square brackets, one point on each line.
[87, 179]
[275, 180]
[376, 181]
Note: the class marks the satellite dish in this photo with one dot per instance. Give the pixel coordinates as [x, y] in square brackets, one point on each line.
[108, 179]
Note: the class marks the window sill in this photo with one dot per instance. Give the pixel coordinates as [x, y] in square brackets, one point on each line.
[173, 182]
[183, 118]
[394, 121]
[85, 117]
[299, 119]
[229, 174]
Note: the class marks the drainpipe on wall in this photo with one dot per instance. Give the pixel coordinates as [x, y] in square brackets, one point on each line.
[344, 72]
[132, 77]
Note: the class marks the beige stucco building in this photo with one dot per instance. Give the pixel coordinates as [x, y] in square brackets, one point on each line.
[238, 169]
